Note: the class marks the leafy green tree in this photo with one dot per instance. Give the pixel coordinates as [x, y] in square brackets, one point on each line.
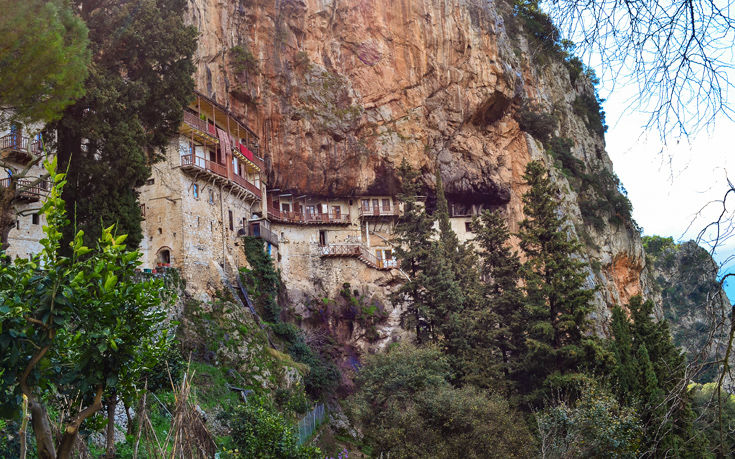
[260, 431]
[43, 59]
[73, 325]
[558, 301]
[138, 86]
[596, 425]
[499, 329]
[407, 407]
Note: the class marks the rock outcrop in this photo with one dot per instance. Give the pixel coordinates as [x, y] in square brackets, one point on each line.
[341, 91]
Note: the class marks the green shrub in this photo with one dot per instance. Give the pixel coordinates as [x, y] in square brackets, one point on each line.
[260, 431]
[243, 60]
[407, 407]
[589, 108]
[533, 120]
[263, 280]
[595, 426]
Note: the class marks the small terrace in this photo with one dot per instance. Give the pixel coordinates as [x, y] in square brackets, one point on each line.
[307, 218]
[360, 252]
[15, 147]
[198, 165]
[28, 191]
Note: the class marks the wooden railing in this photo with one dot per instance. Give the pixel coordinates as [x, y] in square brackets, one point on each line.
[243, 182]
[360, 252]
[27, 190]
[195, 122]
[379, 212]
[17, 142]
[204, 164]
[250, 156]
[309, 218]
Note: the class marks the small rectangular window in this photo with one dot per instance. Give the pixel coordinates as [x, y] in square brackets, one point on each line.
[468, 226]
[195, 190]
[34, 219]
[386, 204]
[232, 227]
[142, 210]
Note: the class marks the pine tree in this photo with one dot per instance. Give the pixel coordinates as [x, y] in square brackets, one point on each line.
[498, 341]
[557, 300]
[43, 59]
[139, 83]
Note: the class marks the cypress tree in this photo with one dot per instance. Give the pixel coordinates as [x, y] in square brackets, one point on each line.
[498, 340]
[138, 85]
[415, 249]
[654, 381]
[557, 300]
[625, 371]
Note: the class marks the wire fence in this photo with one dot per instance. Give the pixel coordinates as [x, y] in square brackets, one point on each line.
[310, 422]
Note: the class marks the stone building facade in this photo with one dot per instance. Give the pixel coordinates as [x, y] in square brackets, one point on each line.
[20, 147]
[201, 198]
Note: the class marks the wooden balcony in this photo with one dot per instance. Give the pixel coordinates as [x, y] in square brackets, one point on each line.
[15, 147]
[245, 184]
[298, 218]
[360, 252]
[243, 153]
[198, 128]
[195, 163]
[217, 171]
[378, 212]
[28, 192]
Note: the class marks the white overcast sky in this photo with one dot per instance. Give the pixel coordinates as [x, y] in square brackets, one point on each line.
[670, 183]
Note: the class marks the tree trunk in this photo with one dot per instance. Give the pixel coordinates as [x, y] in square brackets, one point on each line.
[66, 447]
[130, 419]
[7, 215]
[110, 440]
[42, 431]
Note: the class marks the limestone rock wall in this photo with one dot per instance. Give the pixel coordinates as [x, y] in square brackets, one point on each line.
[340, 91]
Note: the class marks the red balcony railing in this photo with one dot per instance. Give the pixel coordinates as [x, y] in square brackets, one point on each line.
[28, 191]
[309, 218]
[195, 122]
[204, 164]
[250, 156]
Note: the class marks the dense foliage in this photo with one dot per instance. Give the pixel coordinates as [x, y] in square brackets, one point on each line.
[263, 282]
[79, 327]
[558, 300]
[43, 59]
[260, 431]
[596, 425]
[649, 374]
[409, 408]
[138, 86]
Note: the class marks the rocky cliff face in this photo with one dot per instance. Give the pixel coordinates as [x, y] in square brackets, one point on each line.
[692, 300]
[340, 91]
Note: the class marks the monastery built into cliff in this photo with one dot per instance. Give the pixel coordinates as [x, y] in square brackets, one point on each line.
[210, 190]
